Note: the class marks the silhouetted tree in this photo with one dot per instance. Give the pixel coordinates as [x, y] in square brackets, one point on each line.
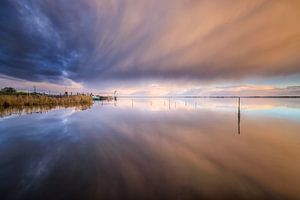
[8, 90]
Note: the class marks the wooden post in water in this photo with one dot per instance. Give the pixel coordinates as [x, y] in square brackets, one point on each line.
[239, 116]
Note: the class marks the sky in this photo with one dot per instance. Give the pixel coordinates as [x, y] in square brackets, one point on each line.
[152, 47]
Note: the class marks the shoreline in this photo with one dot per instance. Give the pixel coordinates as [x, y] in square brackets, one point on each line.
[27, 100]
[215, 97]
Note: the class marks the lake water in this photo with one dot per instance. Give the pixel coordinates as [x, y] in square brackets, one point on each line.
[154, 149]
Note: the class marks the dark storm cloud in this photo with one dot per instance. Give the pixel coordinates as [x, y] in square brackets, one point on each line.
[93, 40]
[40, 40]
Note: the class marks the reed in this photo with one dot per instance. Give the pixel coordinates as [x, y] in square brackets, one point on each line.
[21, 100]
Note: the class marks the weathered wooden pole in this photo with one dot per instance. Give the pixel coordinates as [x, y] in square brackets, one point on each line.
[239, 116]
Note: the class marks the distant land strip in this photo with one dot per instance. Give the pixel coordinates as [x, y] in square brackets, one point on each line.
[213, 97]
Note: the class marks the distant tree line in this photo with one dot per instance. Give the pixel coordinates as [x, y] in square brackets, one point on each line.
[8, 90]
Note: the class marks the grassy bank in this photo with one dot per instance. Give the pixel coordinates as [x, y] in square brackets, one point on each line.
[21, 100]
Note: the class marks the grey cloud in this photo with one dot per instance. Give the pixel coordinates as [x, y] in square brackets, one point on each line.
[91, 41]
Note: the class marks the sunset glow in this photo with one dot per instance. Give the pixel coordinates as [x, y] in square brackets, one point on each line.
[197, 45]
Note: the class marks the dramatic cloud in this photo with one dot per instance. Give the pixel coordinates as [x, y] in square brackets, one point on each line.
[89, 41]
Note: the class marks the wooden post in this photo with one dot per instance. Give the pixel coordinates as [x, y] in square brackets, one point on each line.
[239, 116]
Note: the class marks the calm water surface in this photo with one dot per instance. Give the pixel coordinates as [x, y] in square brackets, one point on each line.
[154, 149]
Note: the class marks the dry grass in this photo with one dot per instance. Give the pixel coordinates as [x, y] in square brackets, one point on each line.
[43, 100]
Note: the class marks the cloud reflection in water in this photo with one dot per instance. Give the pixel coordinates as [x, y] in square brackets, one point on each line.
[120, 152]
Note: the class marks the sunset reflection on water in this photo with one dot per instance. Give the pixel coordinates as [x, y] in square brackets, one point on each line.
[154, 149]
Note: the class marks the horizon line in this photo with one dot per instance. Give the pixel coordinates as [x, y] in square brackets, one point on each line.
[208, 96]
